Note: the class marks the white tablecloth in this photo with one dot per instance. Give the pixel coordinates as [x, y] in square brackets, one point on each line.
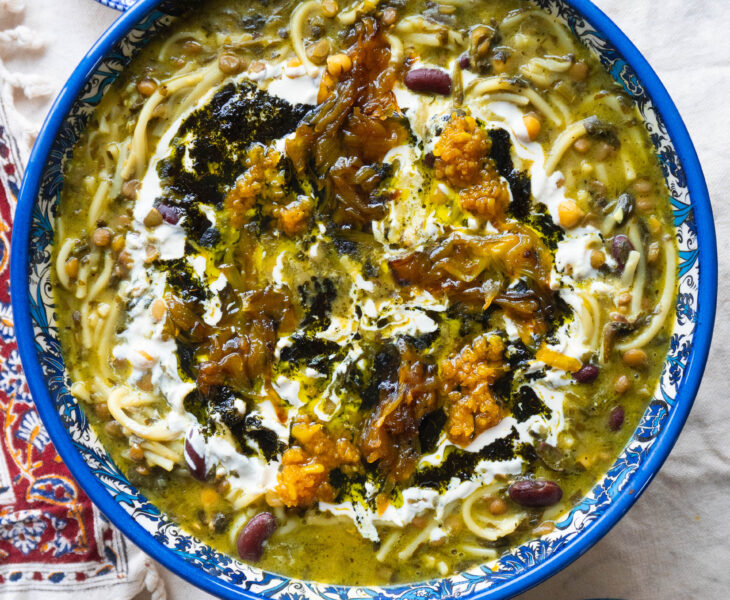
[674, 542]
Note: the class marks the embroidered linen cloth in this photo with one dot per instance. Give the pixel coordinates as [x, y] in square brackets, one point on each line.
[53, 542]
[673, 543]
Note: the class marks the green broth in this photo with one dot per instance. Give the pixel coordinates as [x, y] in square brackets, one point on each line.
[311, 543]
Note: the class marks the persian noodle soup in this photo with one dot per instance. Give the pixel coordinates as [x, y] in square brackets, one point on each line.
[366, 293]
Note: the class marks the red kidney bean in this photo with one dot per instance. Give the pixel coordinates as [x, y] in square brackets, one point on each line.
[251, 540]
[428, 80]
[170, 214]
[535, 492]
[586, 374]
[616, 418]
[464, 61]
[429, 160]
[194, 461]
[620, 249]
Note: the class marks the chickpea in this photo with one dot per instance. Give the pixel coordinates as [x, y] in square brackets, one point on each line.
[338, 64]
[533, 126]
[569, 214]
[118, 243]
[208, 497]
[622, 384]
[72, 267]
[330, 8]
[153, 218]
[635, 358]
[318, 51]
[101, 237]
[230, 64]
[146, 86]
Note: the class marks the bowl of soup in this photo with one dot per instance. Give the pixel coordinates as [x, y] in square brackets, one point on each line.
[370, 299]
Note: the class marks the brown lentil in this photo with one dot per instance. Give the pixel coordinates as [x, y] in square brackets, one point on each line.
[113, 429]
[151, 254]
[635, 358]
[642, 186]
[146, 86]
[130, 188]
[230, 64]
[158, 308]
[544, 528]
[192, 48]
[497, 506]
[598, 259]
[390, 16]
[318, 51]
[582, 145]
[652, 254]
[645, 205]
[136, 452]
[153, 218]
[604, 151]
[624, 299]
[579, 71]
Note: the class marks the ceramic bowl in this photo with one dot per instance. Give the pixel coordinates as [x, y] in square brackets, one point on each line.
[219, 574]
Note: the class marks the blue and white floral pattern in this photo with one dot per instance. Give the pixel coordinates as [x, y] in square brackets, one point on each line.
[118, 4]
[251, 580]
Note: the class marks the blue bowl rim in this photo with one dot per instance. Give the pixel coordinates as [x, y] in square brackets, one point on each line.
[707, 299]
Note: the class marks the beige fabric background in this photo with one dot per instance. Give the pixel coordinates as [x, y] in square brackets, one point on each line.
[674, 542]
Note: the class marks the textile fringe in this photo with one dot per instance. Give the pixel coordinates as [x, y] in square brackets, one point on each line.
[22, 38]
[153, 583]
[13, 41]
[13, 6]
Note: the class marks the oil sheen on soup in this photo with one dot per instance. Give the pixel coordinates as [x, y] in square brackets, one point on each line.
[364, 293]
